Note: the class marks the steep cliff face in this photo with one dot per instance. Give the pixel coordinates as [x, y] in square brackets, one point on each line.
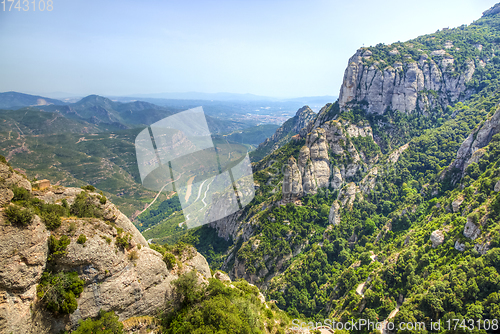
[471, 149]
[426, 83]
[130, 279]
[328, 158]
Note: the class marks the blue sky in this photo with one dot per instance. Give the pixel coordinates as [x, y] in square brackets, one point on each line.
[274, 47]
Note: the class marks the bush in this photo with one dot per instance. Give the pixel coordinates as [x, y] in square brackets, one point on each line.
[51, 220]
[170, 260]
[105, 323]
[84, 207]
[89, 188]
[81, 239]
[17, 216]
[65, 204]
[20, 194]
[57, 247]
[103, 199]
[59, 292]
[123, 241]
[133, 255]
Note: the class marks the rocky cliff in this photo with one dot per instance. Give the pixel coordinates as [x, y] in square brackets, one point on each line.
[292, 127]
[328, 158]
[471, 149]
[422, 80]
[127, 276]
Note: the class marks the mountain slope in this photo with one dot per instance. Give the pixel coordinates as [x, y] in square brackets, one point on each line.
[387, 205]
[284, 133]
[10, 100]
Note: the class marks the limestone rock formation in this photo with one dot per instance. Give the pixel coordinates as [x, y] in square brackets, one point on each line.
[437, 238]
[334, 216]
[132, 281]
[292, 180]
[459, 246]
[403, 86]
[347, 194]
[329, 142]
[471, 229]
[302, 118]
[470, 150]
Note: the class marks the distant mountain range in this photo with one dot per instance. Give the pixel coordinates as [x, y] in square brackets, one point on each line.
[15, 100]
[225, 97]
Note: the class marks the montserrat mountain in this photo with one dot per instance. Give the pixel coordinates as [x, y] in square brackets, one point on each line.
[402, 164]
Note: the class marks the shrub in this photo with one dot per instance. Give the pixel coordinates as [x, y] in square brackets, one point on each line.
[65, 204]
[84, 207]
[133, 255]
[51, 220]
[103, 199]
[20, 194]
[57, 247]
[123, 241]
[89, 187]
[59, 292]
[105, 323]
[108, 239]
[72, 227]
[81, 239]
[18, 216]
[170, 260]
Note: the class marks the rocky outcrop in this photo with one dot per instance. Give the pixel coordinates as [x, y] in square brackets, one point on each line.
[334, 216]
[471, 229]
[456, 204]
[437, 238]
[403, 85]
[471, 149]
[348, 194]
[292, 180]
[132, 281]
[292, 127]
[459, 246]
[314, 169]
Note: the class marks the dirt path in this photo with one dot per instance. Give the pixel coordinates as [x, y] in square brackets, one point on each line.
[189, 188]
[390, 316]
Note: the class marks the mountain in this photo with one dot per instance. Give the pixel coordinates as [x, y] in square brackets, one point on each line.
[14, 100]
[284, 133]
[386, 207]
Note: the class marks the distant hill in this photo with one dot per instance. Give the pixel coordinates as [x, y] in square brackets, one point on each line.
[15, 100]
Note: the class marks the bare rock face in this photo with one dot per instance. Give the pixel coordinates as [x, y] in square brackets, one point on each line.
[314, 170]
[23, 256]
[348, 194]
[437, 238]
[497, 186]
[334, 217]
[456, 204]
[10, 178]
[292, 180]
[459, 246]
[470, 150]
[403, 86]
[471, 230]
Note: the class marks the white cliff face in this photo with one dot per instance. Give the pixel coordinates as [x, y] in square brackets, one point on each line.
[404, 85]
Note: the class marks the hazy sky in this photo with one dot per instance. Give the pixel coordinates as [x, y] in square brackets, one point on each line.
[282, 48]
